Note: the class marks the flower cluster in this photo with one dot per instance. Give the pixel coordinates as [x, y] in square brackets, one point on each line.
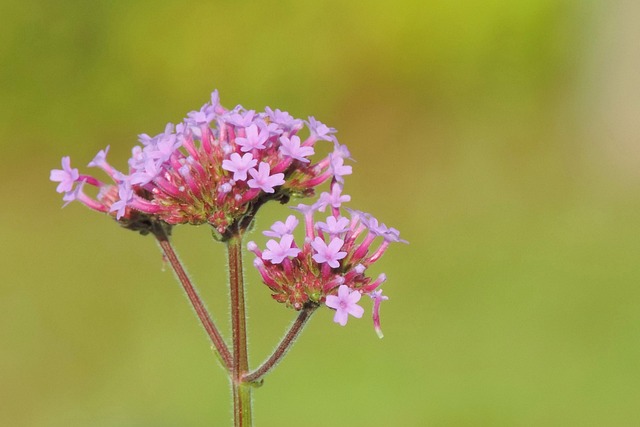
[217, 166]
[330, 265]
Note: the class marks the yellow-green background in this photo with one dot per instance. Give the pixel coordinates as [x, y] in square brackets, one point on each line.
[501, 137]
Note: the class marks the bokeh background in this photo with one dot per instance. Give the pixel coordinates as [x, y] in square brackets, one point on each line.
[501, 138]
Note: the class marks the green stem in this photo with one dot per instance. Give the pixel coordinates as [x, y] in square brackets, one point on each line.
[241, 389]
[220, 347]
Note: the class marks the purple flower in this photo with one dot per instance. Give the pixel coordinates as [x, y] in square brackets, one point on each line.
[164, 147]
[65, 176]
[277, 252]
[320, 130]
[291, 147]
[282, 118]
[125, 192]
[377, 298]
[342, 151]
[338, 167]
[279, 228]
[241, 118]
[335, 199]
[147, 172]
[330, 253]
[100, 160]
[204, 116]
[239, 165]
[72, 195]
[334, 225]
[262, 179]
[254, 139]
[345, 304]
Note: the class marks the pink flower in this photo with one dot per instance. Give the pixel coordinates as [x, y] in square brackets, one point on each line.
[279, 228]
[334, 225]
[65, 176]
[330, 253]
[291, 147]
[239, 165]
[338, 167]
[254, 140]
[277, 252]
[345, 304]
[335, 199]
[262, 179]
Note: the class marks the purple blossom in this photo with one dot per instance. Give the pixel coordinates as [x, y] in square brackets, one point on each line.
[279, 228]
[335, 199]
[338, 168]
[389, 234]
[100, 160]
[372, 223]
[342, 151]
[305, 209]
[345, 304]
[254, 139]
[66, 176]
[72, 195]
[239, 165]
[320, 130]
[283, 118]
[377, 298]
[215, 102]
[262, 179]
[125, 192]
[277, 252]
[146, 173]
[291, 147]
[330, 253]
[164, 147]
[334, 225]
[241, 118]
[272, 128]
[204, 116]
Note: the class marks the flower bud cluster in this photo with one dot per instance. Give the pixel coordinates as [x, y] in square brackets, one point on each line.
[330, 266]
[217, 167]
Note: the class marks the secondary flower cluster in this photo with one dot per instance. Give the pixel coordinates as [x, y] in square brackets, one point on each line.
[330, 265]
[217, 166]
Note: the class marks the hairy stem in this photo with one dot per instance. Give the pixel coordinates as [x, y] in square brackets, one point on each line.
[241, 389]
[284, 346]
[220, 347]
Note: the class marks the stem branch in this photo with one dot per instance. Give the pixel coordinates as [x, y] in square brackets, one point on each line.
[284, 346]
[219, 345]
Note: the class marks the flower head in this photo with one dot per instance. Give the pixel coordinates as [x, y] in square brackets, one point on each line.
[330, 266]
[218, 167]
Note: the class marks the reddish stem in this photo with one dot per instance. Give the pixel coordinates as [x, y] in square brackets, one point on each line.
[284, 346]
[216, 338]
[241, 389]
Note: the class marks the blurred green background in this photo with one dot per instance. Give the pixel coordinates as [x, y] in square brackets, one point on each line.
[501, 138]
